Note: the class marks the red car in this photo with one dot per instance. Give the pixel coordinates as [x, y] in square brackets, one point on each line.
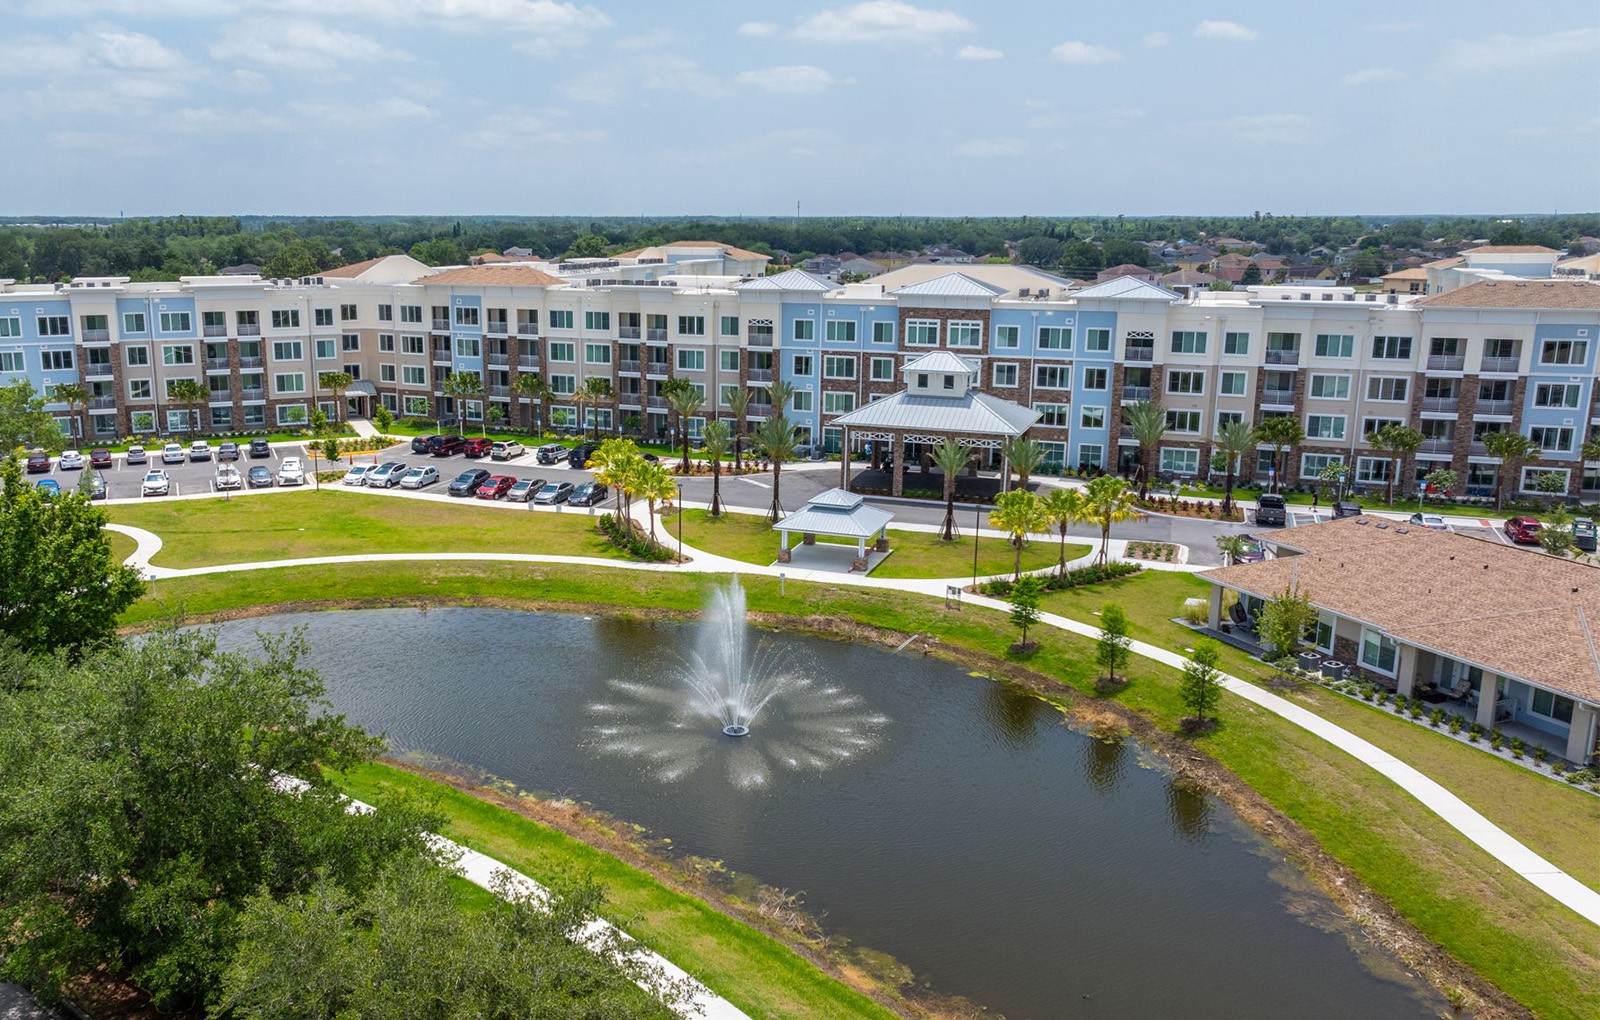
[495, 487]
[444, 446]
[38, 462]
[477, 447]
[100, 458]
[1523, 530]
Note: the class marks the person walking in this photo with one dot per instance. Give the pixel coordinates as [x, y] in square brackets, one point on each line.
[1315, 497]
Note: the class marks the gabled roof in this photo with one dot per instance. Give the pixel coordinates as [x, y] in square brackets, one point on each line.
[970, 413]
[503, 275]
[940, 361]
[1444, 263]
[728, 250]
[1186, 278]
[351, 271]
[791, 279]
[1127, 288]
[1417, 273]
[1510, 293]
[1510, 249]
[1126, 269]
[952, 285]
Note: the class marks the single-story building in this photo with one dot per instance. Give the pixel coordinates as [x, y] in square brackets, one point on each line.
[1508, 633]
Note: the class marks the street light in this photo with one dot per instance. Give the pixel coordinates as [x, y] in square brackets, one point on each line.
[680, 524]
[977, 522]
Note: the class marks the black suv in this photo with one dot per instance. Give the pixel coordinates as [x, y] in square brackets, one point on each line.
[259, 449]
[581, 453]
[467, 483]
[588, 494]
[1347, 508]
[228, 451]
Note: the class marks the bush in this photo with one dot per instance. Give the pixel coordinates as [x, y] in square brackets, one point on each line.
[1540, 754]
[1195, 614]
[1436, 717]
[1001, 587]
[1455, 724]
[1516, 747]
[627, 538]
[1475, 732]
[1496, 739]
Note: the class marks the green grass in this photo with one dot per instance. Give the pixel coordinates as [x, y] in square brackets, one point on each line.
[754, 971]
[1514, 935]
[292, 526]
[917, 554]
[122, 546]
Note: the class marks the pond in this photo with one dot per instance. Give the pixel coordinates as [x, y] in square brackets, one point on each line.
[940, 818]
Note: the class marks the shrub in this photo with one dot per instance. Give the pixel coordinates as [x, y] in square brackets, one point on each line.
[1001, 587]
[1436, 717]
[1558, 768]
[626, 538]
[1455, 724]
[1540, 754]
[1399, 703]
[1195, 613]
[1383, 697]
[1415, 708]
[1516, 747]
[1496, 739]
[1368, 692]
[1475, 732]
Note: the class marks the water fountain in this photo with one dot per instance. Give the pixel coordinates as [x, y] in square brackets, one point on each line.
[721, 686]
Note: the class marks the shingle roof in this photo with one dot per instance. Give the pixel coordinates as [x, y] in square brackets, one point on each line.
[1128, 288]
[1126, 269]
[495, 276]
[1186, 278]
[353, 270]
[729, 250]
[1508, 293]
[971, 413]
[1510, 249]
[790, 279]
[1444, 263]
[1511, 611]
[1417, 273]
[952, 285]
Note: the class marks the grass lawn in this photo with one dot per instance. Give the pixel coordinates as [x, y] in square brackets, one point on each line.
[1511, 933]
[917, 554]
[291, 526]
[758, 974]
[121, 546]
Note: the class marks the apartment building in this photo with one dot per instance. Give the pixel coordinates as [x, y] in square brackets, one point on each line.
[1496, 344]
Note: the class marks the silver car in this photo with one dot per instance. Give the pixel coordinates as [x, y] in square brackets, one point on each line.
[385, 475]
[418, 477]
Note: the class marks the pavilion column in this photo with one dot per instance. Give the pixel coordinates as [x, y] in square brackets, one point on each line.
[1214, 608]
[897, 487]
[1488, 695]
[844, 460]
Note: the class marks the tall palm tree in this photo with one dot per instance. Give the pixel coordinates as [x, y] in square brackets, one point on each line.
[716, 436]
[775, 436]
[781, 393]
[672, 390]
[739, 407]
[656, 485]
[1064, 508]
[461, 387]
[1283, 432]
[76, 397]
[686, 402]
[1233, 440]
[595, 389]
[1402, 441]
[1589, 452]
[1147, 421]
[1019, 513]
[1023, 456]
[532, 386]
[951, 456]
[1107, 501]
[1511, 449]
[612, 463]
[190, 396]
[338, 383]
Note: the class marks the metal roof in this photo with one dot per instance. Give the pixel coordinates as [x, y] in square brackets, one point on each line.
[940, 361]
[836, 497]
[793, 279]
[970, 413]
[952, 285]
[1127, 288]
[857, 520]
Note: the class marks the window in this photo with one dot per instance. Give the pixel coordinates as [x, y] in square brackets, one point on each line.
[1555, 395]
[804, 329]
[11, 361]
[1551, 705]
[1324, 638]
[1092, 418]
[1095, 378]
[1052, 377]
[1325, 426]
[563, 351]
[286, 318]
[883, 370]
[1378, 651]
[1005, 374]
[291, 414]
[173, 322]
[1391, 348]
[414, 375]
[1373, 470]
[466, 315]
[728, 325]
[883, 332]
[289, 382]
[221, 418]
[1551, 438]
[322, 316]
[415, 405]
[137, 357]
[1055, 415]
[1188, 342]
[350, 342]
[834, 367]
[1372, 426]
[1312, 464]
[1055, 338]
[385, 313]
[692, 325]
[1007, 337]
[1388, 387]
[1236, 343]
[138, 389]
[1331, 387]
[599, 322]
[563, 384]
[1180, 461]
[1186, 382]
[178, 421]
[132, 322]
[412, 345]
[1226, 418]
[970, 334]
[922, 332]
[1531, 477]
[386, 373]
[597, 354]
[802, 401]
[347, 313]
[1091, 455]
[728, 361]
[1231, 384]
[841, 331]
[385, 343]
[560, 318]
[1183, 421]
[1335, 345]
[324, 349]
[10, 328]
[838, 403]
[55, 325]
[410, 313]
[177, 354]
[1097, 340]
[803, 365]
[691, 361]
[56, 361]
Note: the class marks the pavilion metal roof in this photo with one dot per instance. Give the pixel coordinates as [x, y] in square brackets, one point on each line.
[971, 413]
[839, 513]
[940, 362]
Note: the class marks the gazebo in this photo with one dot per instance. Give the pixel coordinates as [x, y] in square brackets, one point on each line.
[837, 514]
[939, 402]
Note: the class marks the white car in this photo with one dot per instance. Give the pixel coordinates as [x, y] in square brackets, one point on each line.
[137, 455]
[385, 475]
[418, 477]
[506, 451]
[172, 453]
[290, 472]
[357, 475]
[199, 450]
[71, 460]
[228, 477]
[1433, 522]
[156, 483]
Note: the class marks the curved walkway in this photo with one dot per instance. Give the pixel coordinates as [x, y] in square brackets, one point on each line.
[1455, 812]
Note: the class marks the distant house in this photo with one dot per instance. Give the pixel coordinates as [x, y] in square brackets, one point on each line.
[1310, 271]
[822, 265]
[944, 253]
[1236, 244]
[242, 269]
[862, 266]
[1127, 270]
[1186, 281]
[487, 258]
[1413, 280]
[891, 259]
[518, 253]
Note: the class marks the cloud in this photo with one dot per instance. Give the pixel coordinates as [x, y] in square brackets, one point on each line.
[800, 80]
[978, 53]
[758, 29]
[1269, 129]
[1501, 52]
[454, 15]
[298, 46]
[134, 51]
[1226, 31]
[520, 129]
[1156, 40]
[252, 82]
[992, 148]
[209, 120]
[1373, 76]
[357, 115]
[881, 21]
[1084, 54]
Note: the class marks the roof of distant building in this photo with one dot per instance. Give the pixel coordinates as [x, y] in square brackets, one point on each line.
[1187, 278]
[518, 253]
[502, 275]
[727, 249]
[1510, 249]
[951, 285]
[242, 269]
[1416, 273]
[792, 279]
[353, 270]
[1126, 269]
[1444, 263]
[1512, 293]
[1127, 288]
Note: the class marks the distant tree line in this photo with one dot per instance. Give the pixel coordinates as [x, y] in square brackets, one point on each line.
[169, 247]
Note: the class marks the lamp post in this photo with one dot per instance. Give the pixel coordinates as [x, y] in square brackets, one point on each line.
[680, 524]
[977, 522]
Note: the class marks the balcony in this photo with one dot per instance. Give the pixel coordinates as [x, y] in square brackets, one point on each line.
[655, 336]
[441, 325]
[630, 400]
[1140, 354]
[1506, 365]
[1441, 405]
[254, 362]
[499, 327]
[217, 365]
[249, 329]
[214, 330]
[93, 370]
[96, 336]
[1436, 445]
[442, 356]
[628, 332]
[660, 368]
[498, 392]
[102, 403]
[1135, 393]
[525, 328]
[1493, 407]
[754, 339]
[629, 367]
[1277, 396]
[1283, 357]
[656, 403]
[527, 363]
[1446, 362]
[500, 361]
[759, 409]
[253, 393]
[760, 375]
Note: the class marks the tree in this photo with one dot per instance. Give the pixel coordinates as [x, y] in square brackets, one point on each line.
[338, 383]
[1232, 547]
[1282, 433]
[686, 402]
[1023, 456]
[1233, 440]
[438, 251]
[655, 485]
[1511, 449]
[24, 423]
[1039, 251]
[145, 868]
[1081, 259]
[319, 421]
[532, 387]
[1589, 452]
[61, 588]
[1113, 644]
[615, 463]
[1147, 422]
[716, 436]
[1064, 508]
[1201, 685]
[1399, 440]
[950, 456]
[1019, 513]
[1107, 501]
[298, 258]
[1284, 621]
[383, 418]
[76, 397]
[1442, 480]
[191, 396]
[588, 246]
[775, 436]
[1555, 532]
[460, 388]
[739, 406]
[1251, 277]
[672, 390]
[595, 389]
[1332, 475]
[1024, 597]
[492, 418]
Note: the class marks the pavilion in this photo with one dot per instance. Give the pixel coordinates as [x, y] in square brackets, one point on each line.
[837, 514]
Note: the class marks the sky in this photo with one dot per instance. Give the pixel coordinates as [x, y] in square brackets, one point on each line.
[885, 107]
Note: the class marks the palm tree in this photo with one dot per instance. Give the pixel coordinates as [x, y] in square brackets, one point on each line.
[1511, 449]
[739, 406]
[1400, 440]
[1232, 547]
[1233, 440]
[686, 402]
[1107, 501]
[781, 393]
[595, 389]
[1282, 432]
[775, 436]
[1023, 456]
[532, 386]
[461, 387]
[1064, 508]
[655, 485]
[1147, 421]
[716, 436]
[75, 397]
[613, 462]
[951, 456]
[1019, 513]
[189, 395]
[338, 382]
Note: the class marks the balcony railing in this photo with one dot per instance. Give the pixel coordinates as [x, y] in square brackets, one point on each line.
[630, 367]
[628, 332]
[1275, 396]
[96, 336]
[525, 328]
[758, 339]
[441, 354]
[1283, 357]
[441, 325]
[1441, 404]
[502, 361]
[1437, 446]
[1501, 364]
[1446, 362]
[498, 327]
[102, 403]
[217, 365]
[249, 329]
[1135, 393]
[657, 368]
[254, 362]
[1500, 407]
[502, 392]
[527, 363]
[655, 336]
[760, 375]
[656, 403]
[1141, 354]
[214, 330]
[760, 408]
[91, 370]
[253, 393]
